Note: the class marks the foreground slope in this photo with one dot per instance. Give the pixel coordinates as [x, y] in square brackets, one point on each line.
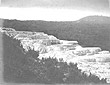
[90, 60]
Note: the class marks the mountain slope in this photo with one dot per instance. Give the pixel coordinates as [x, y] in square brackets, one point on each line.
[22, 66]
[87, 31]
[95, 19]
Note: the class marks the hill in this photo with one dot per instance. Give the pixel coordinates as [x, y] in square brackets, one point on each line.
[96, 19]
[22, 66]
[88, 31]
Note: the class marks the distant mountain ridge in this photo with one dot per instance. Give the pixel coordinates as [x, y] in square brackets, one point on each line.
[96, 19]
[87, 18]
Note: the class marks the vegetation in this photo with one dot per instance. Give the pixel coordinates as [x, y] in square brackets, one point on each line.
[25, 67]
[89, 31]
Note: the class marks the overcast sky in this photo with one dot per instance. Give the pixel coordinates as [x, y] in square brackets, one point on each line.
[82, 5]
[92, 4]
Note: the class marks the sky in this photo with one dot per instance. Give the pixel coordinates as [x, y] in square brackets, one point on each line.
[57, 3]
[87, 4]
[53, 10]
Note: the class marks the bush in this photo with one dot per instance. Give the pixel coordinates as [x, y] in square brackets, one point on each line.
[51, 71]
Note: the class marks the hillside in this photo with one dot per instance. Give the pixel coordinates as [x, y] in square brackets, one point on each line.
[88, 31]
[34, 57]
[95, 20]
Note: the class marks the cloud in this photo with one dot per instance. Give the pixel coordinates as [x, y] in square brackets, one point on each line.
[48, 14]
[93, 4]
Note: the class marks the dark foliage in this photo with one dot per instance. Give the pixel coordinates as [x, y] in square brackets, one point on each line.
[21, 67]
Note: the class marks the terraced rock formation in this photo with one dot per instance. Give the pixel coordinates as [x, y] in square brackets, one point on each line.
[90, 60]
